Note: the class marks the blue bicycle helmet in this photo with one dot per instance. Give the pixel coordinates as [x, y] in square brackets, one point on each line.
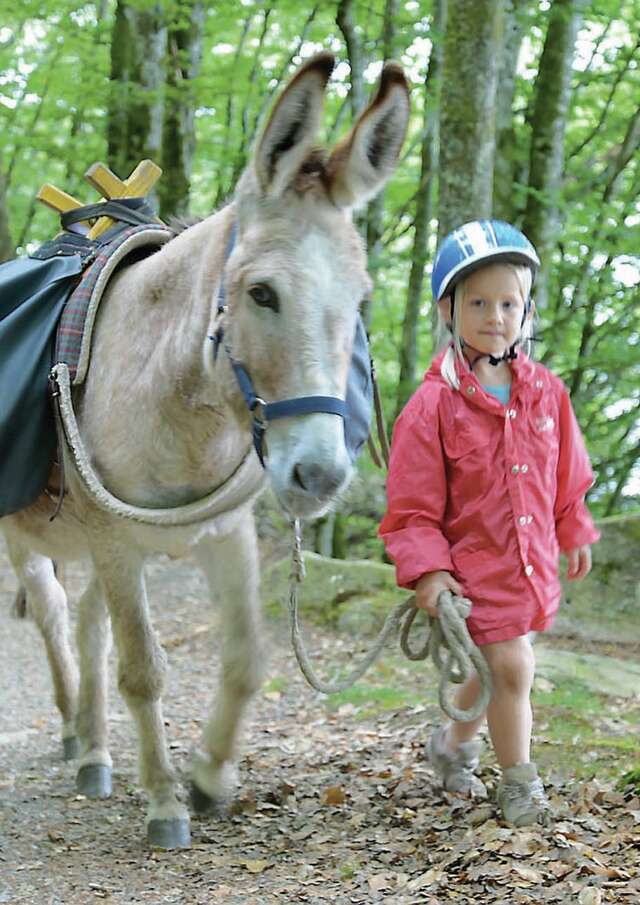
[477, 243]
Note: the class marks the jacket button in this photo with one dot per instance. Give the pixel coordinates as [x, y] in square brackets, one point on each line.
[529, 519]
[522, 520]
[511, 413]
[471, 390]
[515, 469]
[539, 384]
[524, 469]
[528, 570]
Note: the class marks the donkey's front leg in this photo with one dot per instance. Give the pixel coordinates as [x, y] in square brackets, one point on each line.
[231, 566]
[93, 637]
[141, 674]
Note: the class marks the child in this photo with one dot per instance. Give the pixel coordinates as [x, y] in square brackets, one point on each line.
[486, 486]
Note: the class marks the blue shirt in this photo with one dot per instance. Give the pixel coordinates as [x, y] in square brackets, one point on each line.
[501, 393]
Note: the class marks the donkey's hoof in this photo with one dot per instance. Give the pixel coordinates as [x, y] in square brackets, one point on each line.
[94, 781]
[171, 833]
[202, 803]
[70, 747]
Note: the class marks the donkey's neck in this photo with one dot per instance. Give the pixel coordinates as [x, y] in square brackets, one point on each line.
[163, 425]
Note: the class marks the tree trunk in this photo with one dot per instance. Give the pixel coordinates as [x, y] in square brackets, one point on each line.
[424, 205]
[138, 57]
[546, 158]
[226, 166]
[323, 543]
[356, 97]
[178, 138]
[249, 132]
[506, 162]
[472, 48]
[375, 208]
[344, 21]
[7, 250]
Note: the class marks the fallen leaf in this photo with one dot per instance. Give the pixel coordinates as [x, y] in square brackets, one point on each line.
[255, 867]
[427, 879]
[334, 795]
[590, 895]
[221, 892]
[528, 873]
[378, 882]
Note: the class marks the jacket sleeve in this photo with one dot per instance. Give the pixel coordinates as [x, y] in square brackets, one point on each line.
[416, 496]
[574, 525]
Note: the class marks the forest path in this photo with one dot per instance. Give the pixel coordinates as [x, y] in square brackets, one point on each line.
[336, 805]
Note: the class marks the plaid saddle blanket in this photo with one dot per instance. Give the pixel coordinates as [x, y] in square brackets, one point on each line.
[48, 305]
[75, 329]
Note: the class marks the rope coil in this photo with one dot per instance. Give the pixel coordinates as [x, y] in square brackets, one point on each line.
[448, 643]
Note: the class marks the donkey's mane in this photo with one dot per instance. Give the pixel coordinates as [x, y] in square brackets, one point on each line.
[178, 224]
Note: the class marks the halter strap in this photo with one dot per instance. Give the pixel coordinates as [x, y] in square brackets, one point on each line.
[263, 412]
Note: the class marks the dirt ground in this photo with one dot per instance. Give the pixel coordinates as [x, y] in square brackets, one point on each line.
[333, 807]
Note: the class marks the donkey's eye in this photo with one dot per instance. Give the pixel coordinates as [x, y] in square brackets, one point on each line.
[264, 296]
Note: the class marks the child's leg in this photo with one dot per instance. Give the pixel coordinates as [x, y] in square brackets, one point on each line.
[451, 749]
[512, 667]
[509, 713]
[520, 793]
[457, 732]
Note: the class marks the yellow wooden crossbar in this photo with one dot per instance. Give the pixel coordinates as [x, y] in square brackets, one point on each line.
[56, 199]
[137, 185]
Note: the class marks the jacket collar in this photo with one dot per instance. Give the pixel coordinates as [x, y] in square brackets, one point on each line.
[523, 372]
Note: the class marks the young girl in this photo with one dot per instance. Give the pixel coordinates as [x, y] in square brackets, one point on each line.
[486, 486]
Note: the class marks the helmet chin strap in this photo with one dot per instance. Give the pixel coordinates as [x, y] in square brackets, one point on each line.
[508, 355]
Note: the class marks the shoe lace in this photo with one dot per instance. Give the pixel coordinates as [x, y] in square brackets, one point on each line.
[523, 792]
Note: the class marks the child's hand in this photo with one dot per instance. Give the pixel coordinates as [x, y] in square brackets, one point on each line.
[578, 562]
[429, 588]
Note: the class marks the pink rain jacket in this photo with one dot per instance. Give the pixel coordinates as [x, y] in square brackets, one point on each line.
[490, 493]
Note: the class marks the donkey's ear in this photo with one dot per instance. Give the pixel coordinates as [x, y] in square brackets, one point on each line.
[361, 164]
[292, 125]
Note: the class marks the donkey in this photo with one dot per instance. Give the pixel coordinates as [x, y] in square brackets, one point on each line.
[164, 421]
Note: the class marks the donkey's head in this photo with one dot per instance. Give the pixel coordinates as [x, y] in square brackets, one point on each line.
[298, 271]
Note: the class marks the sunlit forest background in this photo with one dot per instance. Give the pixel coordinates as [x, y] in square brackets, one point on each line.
[527, 111]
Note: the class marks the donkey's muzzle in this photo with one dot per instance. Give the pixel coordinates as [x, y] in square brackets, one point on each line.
[319, 481]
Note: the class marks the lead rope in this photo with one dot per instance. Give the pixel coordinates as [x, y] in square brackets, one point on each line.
[448, 643]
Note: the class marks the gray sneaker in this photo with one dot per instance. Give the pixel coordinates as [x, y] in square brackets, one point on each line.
[456, 768]
[521, 796]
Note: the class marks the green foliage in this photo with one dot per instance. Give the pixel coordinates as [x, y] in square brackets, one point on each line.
[55, 65]
[572, 726]
[630, 782]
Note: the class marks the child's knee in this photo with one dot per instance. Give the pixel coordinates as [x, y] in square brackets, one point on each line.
[512, 666]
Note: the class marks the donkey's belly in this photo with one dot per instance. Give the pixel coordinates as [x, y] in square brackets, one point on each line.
[63, 538]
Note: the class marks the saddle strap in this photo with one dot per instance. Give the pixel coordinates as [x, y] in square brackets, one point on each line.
[134, 211]
[242, 486]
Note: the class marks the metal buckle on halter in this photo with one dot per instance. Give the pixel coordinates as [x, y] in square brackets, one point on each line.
[258, 412]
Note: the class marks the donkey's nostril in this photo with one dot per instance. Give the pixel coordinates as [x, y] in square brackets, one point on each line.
[316, 480]
[297, 476]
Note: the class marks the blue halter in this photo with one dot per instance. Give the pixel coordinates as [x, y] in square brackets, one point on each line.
[264, 412]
